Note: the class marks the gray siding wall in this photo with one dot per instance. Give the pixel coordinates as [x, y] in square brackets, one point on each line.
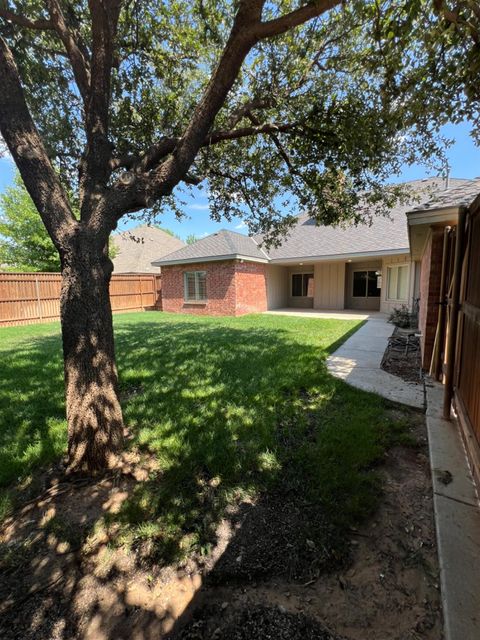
[277, 286]
[329, 285]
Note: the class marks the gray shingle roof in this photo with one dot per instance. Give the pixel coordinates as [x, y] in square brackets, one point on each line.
[456, 196]
[306, 240]
[385, 234]
[222, 244]
[137, 248]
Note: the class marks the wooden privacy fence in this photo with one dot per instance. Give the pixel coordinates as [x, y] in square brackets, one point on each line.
[467, 397]
[27, 298]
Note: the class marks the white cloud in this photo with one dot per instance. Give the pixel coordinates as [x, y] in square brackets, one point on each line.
[242, 225]
[198, 207]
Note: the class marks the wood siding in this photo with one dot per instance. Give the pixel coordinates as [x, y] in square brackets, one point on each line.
[28, 298]
[329, 285]
[277, 286]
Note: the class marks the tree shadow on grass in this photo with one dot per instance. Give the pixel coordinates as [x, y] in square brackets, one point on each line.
[230, 413]
[32, 408]
[207, 401]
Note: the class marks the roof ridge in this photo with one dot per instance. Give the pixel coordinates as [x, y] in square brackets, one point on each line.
[259, 247]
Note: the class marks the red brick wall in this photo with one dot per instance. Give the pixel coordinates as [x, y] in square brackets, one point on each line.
[220, 289]
[233, 288]
[251, 287]
[430, 274]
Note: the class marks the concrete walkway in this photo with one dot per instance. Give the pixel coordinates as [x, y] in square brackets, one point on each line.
[457, 522]
[358, 361]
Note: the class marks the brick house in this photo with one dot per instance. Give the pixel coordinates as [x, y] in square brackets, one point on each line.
[421, 253]
[394, 261]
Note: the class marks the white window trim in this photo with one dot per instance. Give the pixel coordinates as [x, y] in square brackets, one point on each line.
[396, 266]
[185, 287]
[300, 273]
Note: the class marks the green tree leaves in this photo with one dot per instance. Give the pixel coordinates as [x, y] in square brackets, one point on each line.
[24, 242]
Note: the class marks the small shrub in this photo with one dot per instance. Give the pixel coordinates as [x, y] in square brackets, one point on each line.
[401, 317]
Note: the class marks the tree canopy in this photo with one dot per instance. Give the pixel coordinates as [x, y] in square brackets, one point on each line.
[308, 122]
[24, 242]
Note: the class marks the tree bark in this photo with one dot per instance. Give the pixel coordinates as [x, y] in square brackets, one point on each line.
[94, 414]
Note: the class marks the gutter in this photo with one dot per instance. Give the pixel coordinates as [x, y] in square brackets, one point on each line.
[340, 256]
[200, 259]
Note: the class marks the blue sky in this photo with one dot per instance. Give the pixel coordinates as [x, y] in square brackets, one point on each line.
[463, 156]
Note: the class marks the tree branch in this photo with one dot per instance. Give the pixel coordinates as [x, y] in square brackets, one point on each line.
[166, 146]
[142, 190]
[277, 143]
[245, 109]
[294, 18]
[240, 42]
[79, 64]
[28, 151]
[23, 21]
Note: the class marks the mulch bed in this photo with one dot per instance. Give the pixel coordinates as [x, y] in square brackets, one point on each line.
[402, 356]
[282, 536]
[255, 623]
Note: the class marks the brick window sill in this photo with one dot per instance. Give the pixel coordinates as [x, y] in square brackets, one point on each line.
[195, 302]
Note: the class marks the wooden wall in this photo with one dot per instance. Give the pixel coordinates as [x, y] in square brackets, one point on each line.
[28, 298]
[468, 349]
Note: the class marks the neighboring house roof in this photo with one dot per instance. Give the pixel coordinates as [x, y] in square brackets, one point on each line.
[137, 248]
[222, 245]
[456, 196]
[385, 235]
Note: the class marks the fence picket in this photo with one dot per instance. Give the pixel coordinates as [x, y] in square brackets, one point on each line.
[28, 298]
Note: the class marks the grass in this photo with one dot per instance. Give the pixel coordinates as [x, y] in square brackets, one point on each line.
[229, 406]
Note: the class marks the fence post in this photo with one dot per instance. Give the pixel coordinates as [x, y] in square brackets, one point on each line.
[39, 304]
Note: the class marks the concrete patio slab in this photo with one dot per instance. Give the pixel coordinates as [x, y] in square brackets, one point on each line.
[457, 522]
[333, 314]
[358, 362]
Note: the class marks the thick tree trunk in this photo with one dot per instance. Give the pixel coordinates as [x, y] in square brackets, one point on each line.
[94, 415]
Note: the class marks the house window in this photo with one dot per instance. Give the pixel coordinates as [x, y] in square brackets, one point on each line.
[195, 286]
[365, 284]
[302, 285]
[397, 282]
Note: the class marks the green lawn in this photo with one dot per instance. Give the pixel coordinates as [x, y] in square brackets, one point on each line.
[239, 405]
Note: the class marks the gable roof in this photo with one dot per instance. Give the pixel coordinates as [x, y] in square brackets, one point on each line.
[222, 245]
[456, 196]
[307, 241]
[137, 248]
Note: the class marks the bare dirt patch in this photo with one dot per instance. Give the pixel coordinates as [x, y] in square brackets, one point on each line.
[389, 590]
[63, 580]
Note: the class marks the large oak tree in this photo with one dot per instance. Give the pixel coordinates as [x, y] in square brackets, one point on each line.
[125, 104]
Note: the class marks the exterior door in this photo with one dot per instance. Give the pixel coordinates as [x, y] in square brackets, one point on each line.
[362, 291]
